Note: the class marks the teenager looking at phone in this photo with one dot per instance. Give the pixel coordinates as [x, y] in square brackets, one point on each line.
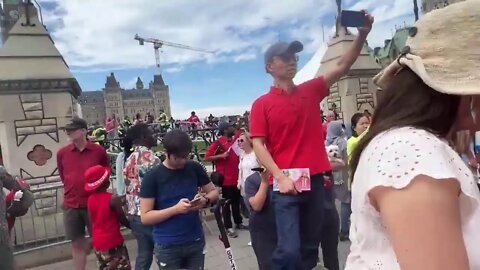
[169, 201]
[226, 164]
[415, 202]
[262, 218]
[296, 141]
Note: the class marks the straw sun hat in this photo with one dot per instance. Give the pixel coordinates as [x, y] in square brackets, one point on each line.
[443, 49]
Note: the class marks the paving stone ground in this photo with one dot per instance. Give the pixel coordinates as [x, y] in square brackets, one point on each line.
[215, 257]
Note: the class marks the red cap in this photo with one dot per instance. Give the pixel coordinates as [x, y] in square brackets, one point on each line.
[95, 176]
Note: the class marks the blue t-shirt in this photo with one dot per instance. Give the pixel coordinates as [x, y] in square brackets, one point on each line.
[167, 187]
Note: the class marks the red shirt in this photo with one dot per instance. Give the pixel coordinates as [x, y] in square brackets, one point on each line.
[325, 129]
[227, 167]
[292, 126]
[72, 165]
[193, 119]
[105, 222]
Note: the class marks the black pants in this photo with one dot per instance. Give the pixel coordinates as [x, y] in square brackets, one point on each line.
[263, 244]
[330, 231]
[231, 193]
[329, 241]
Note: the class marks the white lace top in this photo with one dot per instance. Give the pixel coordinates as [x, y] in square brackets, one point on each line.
[393, 159]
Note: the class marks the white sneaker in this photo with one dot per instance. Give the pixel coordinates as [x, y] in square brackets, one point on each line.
[250, 243]
[231, 233]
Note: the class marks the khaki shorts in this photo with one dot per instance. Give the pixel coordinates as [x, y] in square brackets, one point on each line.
[76, 220]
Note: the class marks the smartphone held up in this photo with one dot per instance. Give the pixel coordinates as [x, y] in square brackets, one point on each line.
[350, 18]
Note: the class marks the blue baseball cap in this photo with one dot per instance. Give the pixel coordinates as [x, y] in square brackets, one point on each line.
[281, 48]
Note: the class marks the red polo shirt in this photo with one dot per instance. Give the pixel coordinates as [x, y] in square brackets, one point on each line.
[292, 126]
[227, 167]
[72, 164]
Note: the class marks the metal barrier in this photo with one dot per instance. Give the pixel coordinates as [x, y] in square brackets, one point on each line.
[43, 226]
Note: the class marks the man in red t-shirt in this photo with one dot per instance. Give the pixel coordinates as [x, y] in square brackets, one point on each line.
[226, 163]
[193, 118]
[72, 162]
[286, 127]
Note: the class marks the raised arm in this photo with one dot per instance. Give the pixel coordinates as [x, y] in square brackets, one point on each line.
[258, 200]
[346, 61]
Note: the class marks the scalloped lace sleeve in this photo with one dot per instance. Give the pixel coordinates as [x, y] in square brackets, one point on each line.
[395, 157]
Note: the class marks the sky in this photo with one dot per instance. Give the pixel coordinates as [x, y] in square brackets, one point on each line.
[96, 38]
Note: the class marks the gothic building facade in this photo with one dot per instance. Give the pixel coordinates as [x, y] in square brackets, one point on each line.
[115, 100]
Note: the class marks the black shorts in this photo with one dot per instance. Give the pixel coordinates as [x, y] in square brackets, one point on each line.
[76, 220]
[6, 257]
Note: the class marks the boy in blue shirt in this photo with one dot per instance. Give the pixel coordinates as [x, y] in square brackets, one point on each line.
[170, 201]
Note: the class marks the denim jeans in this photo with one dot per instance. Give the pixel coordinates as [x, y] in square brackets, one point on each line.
[189, 256]
[145, 244]
[299, 227]
[345, 212]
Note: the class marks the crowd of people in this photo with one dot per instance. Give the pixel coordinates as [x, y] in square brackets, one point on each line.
[406, 176]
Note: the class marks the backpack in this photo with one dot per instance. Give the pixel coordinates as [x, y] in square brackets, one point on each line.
[19, 207]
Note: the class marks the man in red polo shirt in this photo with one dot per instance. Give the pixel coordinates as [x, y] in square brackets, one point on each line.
[72, 162]
[286, 127]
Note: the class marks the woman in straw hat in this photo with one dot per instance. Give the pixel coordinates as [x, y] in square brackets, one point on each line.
[415, 203]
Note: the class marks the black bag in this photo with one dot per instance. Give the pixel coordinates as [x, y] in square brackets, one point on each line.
[20, 208]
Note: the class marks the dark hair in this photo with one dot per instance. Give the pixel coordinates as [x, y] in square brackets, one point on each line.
[408, 101]
[355, 118]
[138, 116]
[177, 142]
[104, 186]
[136, 135]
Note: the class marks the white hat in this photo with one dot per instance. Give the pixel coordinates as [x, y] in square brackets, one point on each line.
[443, 49]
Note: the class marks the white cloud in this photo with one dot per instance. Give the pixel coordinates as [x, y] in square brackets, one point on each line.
[98, 35]
[245, 57]
[93, 33]
[129, 84]
[174, 69]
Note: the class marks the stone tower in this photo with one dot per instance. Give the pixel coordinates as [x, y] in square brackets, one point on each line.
[38, 95]
[354, 92]
[429, 5]
[113, 97]
[139, 84]
[161, 95]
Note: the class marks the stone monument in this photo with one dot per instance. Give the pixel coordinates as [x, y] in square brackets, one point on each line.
[37, 97]
[354, 92]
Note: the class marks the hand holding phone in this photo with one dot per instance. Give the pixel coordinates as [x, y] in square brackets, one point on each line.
[350, 18]
[360, 19]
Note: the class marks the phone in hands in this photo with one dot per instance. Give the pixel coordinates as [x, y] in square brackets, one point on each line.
[196, 199]
[351, 18]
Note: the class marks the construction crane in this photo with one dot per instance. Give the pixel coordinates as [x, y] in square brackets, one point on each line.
[157, 44]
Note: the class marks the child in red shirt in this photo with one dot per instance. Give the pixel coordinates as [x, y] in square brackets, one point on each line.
[106, 215]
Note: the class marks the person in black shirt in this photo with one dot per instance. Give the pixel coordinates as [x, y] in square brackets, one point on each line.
[262, 218]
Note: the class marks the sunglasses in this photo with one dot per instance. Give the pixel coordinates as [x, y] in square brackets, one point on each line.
[286, 58]
[240, 140]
